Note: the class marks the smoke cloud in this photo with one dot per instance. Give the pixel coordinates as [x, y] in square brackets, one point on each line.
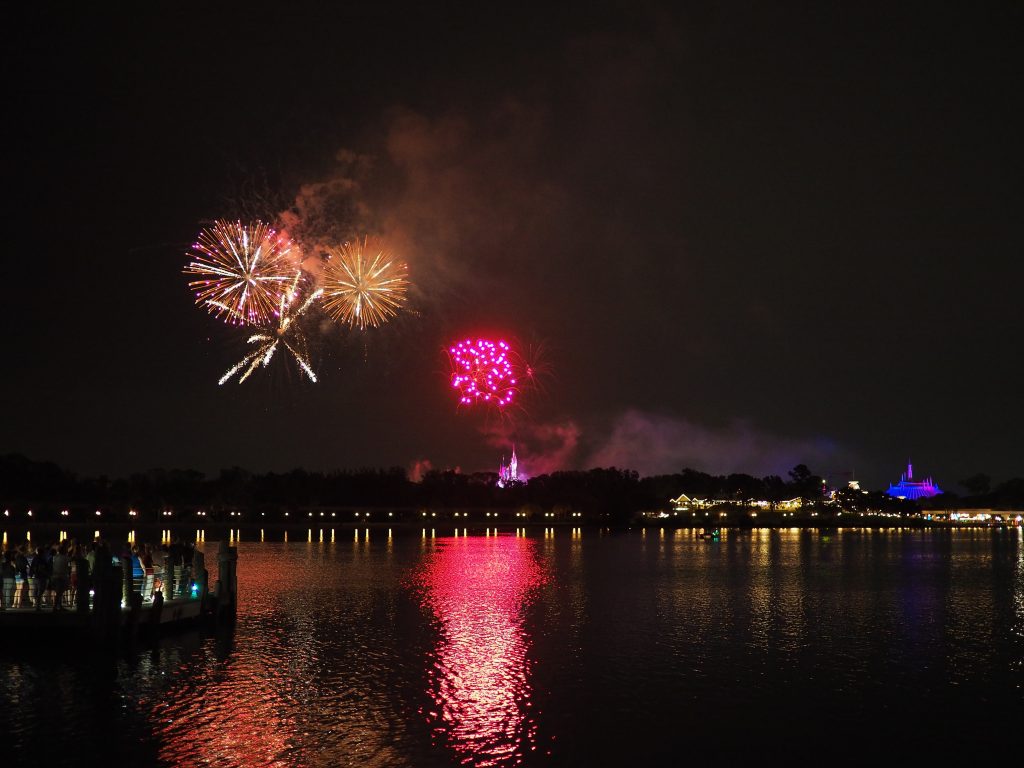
[458, 197]
[418, 468]
[655, 444]
[541, 448]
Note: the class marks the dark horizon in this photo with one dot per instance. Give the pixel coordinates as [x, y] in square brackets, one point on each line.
[743, 238]
[32, 482]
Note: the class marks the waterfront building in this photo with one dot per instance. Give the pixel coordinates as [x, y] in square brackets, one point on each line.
[683, 502]
[908, 488]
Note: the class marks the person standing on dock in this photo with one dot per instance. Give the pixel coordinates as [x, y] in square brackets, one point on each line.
[59, 571]
[21, 572]
[7, 576]
[82, 581]
[39, 570]
[100, 571]
[187, 555]
[90, 557]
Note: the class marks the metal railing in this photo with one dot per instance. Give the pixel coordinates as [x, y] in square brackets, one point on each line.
[30, 594]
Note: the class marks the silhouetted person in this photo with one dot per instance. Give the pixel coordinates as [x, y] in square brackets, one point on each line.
[101, 572]
[7, 575]
[60, 571]
[21, 572]
[39, 570]
[83, 582]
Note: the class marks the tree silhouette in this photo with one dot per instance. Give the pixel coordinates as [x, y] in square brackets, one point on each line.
[977, 485]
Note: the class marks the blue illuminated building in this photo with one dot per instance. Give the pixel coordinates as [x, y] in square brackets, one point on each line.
[908, 488]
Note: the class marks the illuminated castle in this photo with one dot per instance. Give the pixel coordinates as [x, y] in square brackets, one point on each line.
[907, 488]
[508, 474]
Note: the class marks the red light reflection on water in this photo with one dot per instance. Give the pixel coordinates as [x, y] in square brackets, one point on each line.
[478, 589]
[228, 711]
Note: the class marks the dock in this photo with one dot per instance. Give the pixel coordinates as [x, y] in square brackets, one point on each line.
[118, 604]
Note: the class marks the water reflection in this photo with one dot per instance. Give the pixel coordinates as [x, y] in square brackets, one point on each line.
[312, 675]
[1017, 627]
[477, 589]
[227, 708]
[649, 645]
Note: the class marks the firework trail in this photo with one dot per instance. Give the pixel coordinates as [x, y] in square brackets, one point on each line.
[482, 372]
[363, 284]
[245, 268]
[530, 361]
[286, 333]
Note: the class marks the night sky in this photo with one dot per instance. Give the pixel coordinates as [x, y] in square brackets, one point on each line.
[736, 236]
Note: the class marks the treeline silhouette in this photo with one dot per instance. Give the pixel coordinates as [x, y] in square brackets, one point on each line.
[605, 491]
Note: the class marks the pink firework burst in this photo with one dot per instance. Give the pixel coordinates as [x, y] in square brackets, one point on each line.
[482, 372]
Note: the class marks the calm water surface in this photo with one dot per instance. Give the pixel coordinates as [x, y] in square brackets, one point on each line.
[564, 647]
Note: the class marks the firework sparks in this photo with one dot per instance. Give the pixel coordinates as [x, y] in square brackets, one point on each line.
[482, 372]
[285, 333]
[364, 285]
[245, 270]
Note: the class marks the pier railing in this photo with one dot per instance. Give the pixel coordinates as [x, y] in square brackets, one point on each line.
[173, 583]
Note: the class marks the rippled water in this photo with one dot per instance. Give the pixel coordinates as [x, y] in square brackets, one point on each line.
[561, 647]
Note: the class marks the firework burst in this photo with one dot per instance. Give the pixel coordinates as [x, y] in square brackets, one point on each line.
[285, 333]
[363, 284]
[481, 372]
[245, 271]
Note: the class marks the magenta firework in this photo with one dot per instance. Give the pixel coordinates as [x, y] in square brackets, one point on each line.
[482, 372]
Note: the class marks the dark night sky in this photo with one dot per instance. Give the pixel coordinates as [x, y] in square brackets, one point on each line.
[744, 235]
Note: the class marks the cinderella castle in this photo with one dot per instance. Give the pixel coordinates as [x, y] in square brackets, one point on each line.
[908, 488]
[508, 473]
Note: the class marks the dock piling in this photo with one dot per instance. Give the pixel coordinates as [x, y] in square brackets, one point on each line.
[227, 586]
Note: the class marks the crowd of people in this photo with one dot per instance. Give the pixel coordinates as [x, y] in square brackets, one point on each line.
[61, 575]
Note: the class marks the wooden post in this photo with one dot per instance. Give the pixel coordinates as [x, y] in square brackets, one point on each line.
[109, 585]
[168, 579]
[126, 572]
[85, 583]
[134, 611]
[155, 612]
[227, 588]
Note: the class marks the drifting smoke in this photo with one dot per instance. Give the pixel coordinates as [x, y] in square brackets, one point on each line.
[418, 468]
[330, 211]
[489, 200]
[653, 444]
[451, 210]
[429, 190]
[542, 448]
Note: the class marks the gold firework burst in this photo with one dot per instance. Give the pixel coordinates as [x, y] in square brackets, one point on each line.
[363, 283]
[286, 332]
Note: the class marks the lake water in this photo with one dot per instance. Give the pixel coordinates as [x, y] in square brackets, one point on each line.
[560, 647]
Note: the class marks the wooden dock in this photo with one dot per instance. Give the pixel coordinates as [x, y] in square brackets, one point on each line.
[117, 606]
[170, 612]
